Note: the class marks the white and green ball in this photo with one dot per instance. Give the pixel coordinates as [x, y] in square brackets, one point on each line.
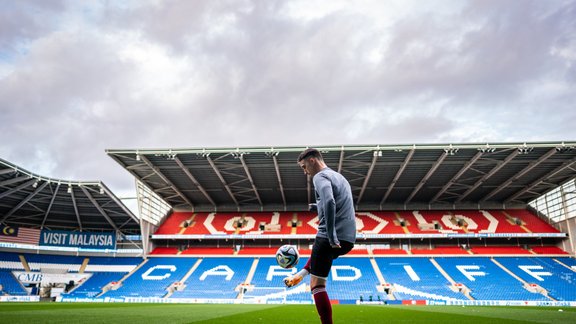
[287, 256]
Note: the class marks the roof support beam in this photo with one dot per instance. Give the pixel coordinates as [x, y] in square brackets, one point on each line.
[75, 207]
[478, 183]
[541, 180]
[50, 206]
[341, 161]
[427, 176]
[100, 209]
[280, 184]
[309, 189]
[194, 180]
[457, 176]
[23, 202]
[9, 170]
[20, 187]
[168, 182]
[136, 176]
[13, 180]
[397, 176]
[117, 201]
[250, 179]
[368, 176]
[527, 169]
[213, 165]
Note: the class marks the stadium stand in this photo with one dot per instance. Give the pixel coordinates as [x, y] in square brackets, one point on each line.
[352, 278]
[473, 250]
[94, 285]
[559, 281]
[415, 278]
[165, 251]
[388, 251]
[267, 282]
[523, 217]
[458, 221]
[485, 279]
[38, 262]
[409, 278]
[548, 250]
[257, 250]
[359, 251]
[153, 278]
[215, 278]
[104, 270]
[371, 220]
[569, 262]
[10, 285]
[495, 250]
[10, 261]
[114, 261]
[174, 224]
[440, 250]
[208, 251]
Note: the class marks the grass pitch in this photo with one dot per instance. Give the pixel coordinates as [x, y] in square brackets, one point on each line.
[278, 314]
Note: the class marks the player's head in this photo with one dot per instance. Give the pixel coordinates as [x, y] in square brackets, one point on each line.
[311, 161]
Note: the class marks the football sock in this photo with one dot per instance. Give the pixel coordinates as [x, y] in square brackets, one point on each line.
[322, 302]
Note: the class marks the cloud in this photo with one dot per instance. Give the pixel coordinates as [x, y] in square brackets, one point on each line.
[82, 77]
[22, 22]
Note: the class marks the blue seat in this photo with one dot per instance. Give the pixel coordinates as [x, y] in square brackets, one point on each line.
[559, 281]
[153, 278]
[486, 280]
[416, 278]
[10, 285]
[216, 278]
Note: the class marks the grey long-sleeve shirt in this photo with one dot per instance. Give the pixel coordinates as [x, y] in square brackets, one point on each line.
[337, 220]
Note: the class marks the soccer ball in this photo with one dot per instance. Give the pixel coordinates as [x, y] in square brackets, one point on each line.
[287, 256]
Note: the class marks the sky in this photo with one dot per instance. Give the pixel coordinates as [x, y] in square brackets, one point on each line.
[80, 77]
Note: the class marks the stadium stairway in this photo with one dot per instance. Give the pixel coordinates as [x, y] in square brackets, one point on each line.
[121, 281]
[525, 284]
[379, 275]
[10, 285]
[186, 276]
[567, 263]
[486, 280]
[215, 278]
[152, 279]
[104, 271]
[266, 283]
[547, 273]
[416, 278]
[252, 271]
[24, 263]
[465, 291]
[84, 265]
[525, 278]
[243, 287]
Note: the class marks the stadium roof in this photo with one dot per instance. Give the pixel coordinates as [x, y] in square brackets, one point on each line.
[383, 177]
[34, 201]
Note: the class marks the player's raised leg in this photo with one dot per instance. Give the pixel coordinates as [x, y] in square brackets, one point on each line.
[297, 278]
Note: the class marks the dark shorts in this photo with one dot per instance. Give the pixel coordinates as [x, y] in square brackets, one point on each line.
[323, 254]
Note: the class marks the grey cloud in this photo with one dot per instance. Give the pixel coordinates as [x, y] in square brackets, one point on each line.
[24, 21]
[245, 73]
[484, 52]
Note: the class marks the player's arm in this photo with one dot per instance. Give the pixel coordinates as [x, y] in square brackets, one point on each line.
[324, 188]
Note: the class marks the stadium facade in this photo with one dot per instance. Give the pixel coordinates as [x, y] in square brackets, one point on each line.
[438, 224]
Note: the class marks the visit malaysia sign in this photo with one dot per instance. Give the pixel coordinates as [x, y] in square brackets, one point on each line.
[85, 240]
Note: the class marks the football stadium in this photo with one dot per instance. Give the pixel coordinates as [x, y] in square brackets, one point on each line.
[445, 233]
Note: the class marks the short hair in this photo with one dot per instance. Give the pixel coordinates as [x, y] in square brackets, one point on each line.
[310, 152]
